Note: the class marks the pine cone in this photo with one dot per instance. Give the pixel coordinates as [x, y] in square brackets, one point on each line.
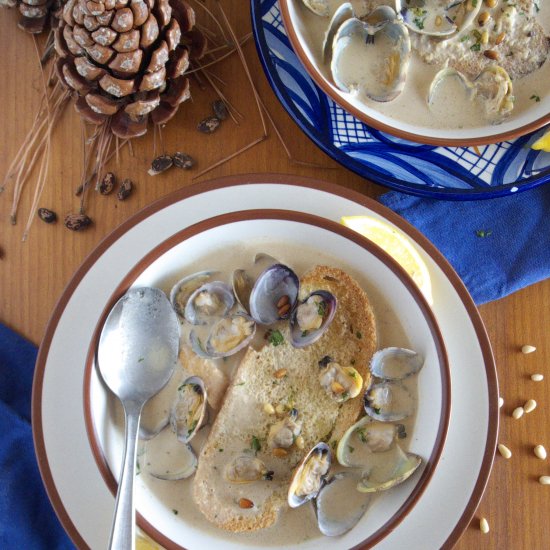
[126, 59]
[34, 14]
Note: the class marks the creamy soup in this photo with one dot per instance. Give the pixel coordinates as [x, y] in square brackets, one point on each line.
[504, 34]
[299, 524]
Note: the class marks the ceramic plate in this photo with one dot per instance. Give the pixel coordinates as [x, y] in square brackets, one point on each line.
[439, 172]
[403, 318]
[73, 481]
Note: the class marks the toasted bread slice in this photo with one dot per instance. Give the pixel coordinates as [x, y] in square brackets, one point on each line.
[242, 425]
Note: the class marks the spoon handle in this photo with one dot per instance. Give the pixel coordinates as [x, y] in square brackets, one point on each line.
[124, 523]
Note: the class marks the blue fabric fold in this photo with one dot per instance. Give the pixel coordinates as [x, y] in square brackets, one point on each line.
[497, 246]
[27, 520]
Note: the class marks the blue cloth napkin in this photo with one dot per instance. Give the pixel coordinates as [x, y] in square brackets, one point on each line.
[497, 246]
[27, 520]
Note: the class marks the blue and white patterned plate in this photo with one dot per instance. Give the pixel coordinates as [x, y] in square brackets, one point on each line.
[438, 172]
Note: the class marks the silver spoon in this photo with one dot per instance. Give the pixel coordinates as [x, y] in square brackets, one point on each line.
[136, 355]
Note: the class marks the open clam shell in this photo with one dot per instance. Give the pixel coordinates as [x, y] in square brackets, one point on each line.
[311, 318]
[376, 69]
[209, 301]
[278, 282]
[189, 408]
[165, 457]
[179, 295]
[395, 363]
[334, 519]
[386, 470]
[344, 12]
[388, 401]
[309, 475]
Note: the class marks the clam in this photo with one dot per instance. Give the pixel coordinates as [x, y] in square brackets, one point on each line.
[388, 401]
[165, 457]
[179, 295]
[334, 519]
[209, 301]
[227, 336]
[376, 69]
[274, 294]
[246, 469]
[283, 434]
[340, 383]
[309, 475]
[311, 318]
[318, 7]
[188, 411]
[243, 280]
[395, 363]
[386, 470]
[365, 437]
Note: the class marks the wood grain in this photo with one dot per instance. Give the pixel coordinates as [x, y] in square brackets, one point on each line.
[34, 273]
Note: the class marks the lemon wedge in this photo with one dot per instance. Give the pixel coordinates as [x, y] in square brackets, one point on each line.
[143, 542]
[397, 245]
[543, 143]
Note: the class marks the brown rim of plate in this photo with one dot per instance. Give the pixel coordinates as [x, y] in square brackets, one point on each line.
[329, 89]
[259, 179]
[311, 220]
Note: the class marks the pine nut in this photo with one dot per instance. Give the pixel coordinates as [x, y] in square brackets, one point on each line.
[491, 3]
[438, 21]
[282, 311]
[540, 452]
[281, 373]
[544, 480]
[484, 526]
[337, 388]
[537, 377]
[283, 301]
[269, 408]
[279, 452]
[280, 409]
[504, 451]
[245, 503]
[300, 443]
[483, 18]
[500, 402]
[500, 38]
[485, 37]
[528, 349]
[491, 54]
[518, 412]
[530, 405]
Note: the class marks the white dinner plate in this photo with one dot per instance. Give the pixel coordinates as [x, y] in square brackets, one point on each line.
[79, 495]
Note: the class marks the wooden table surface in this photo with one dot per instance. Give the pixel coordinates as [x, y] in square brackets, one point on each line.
[34, 273]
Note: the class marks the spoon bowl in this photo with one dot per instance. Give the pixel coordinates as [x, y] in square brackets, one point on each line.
[136, 355]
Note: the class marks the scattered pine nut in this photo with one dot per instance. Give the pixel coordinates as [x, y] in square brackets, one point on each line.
[528, 349]
[283, 301]
[300, 443]
[245, 503]
[281, 373]
[544, 480]
[269, 408]
[537, 377]
[518, 412]
[530, 405]
[279, 452]
[540, 452]
[500, 402]
[491, 3]
[500, 38]
[337, 388]
[504, 451]
[280, 409]
[484, 526]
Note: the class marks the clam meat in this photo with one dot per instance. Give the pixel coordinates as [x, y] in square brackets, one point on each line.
[283, 434]
[339, 506]
[395, 363]
[340, 383]
[386, 470]
[371, 63]
[209, 301]
[389, 401]
[309, 475]
[365, 437]
[246, 469]
[311, 318]
[179, 295]
[188, 411]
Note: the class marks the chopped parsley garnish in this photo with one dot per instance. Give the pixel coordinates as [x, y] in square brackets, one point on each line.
[240, 384]
[345, 395]
[174, 511]
[482, 233]
[477, 34]
[220, 450]
[376, 410]
[143, 358]
[352, 361]
[255, 444]
[474, 3]
[304, 333]
[359, 335]
[464, 38]
[192, 427]
[322, 308]
[276, 338]
[535, 97]
[475, 47]
[362, 436]
[351, 449]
